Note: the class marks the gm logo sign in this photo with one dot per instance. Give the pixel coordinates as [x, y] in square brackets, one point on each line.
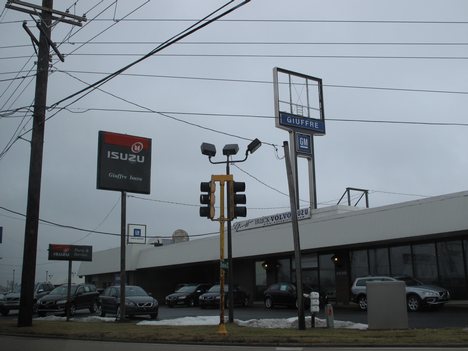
[304, 144]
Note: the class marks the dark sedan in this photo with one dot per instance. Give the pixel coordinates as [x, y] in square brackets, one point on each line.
[137, 302]
[212, 297]
[285, 294]
[187, 295]
[82, 296]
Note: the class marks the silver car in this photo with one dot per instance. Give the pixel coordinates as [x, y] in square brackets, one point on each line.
[418, 294]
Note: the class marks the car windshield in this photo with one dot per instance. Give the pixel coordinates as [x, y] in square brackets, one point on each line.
[410, 281]
[134, 291]
[187, 289]
[216, 288]
[63, 290]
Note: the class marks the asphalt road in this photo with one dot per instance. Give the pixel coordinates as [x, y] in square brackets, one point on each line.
[446, 317]
[11, 343]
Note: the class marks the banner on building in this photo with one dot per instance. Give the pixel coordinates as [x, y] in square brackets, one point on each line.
[270, 220]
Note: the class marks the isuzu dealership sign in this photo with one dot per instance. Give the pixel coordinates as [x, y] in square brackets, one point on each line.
[124, 163]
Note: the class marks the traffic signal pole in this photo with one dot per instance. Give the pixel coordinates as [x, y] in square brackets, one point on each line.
[229, 246]
[223, 217]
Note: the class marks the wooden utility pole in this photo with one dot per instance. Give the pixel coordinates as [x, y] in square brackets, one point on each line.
[35, 173]
[44, 25]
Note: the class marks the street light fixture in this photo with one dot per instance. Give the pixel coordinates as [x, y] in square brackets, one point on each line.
[228, 151]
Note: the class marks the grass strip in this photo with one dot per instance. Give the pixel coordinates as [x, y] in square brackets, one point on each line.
[129, 332]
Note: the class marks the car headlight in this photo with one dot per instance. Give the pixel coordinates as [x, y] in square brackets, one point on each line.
[430, 294]
[61, 302]
[129, 303]
[182, 297]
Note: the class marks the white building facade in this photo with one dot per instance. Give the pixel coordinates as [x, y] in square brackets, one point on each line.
[426, 239]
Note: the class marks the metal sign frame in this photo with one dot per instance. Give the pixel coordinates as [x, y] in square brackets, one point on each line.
[291, 113]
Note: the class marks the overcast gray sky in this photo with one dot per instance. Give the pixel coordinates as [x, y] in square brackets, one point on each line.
[380, 61]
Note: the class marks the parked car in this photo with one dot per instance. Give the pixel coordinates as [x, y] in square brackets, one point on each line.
[285, 294]
[212, 297]
[11, 301]
[137, 302]
[187, 294]
[418, 294]
[82, 296]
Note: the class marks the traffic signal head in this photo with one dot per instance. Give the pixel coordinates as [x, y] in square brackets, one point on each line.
[208, 199]
[237, 199]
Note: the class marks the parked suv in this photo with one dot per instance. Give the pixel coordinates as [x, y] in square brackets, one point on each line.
[11, 301]
[82, 296]
[418, 294]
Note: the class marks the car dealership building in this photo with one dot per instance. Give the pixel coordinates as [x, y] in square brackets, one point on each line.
[426, 239]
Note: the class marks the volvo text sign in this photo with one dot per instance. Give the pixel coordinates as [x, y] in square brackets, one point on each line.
[124, 163]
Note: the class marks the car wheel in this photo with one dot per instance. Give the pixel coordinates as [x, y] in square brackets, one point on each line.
[362, 302]
[94, 307]
[72, 310]
[101, 312]
[41, 313]
[245, 302]
[268, 303]
[413, 302]
[117, 314]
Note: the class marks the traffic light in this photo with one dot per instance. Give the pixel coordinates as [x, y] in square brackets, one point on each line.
[207, 199]
[236, 199]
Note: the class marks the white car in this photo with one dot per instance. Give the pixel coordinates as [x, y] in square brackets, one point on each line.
[418, 294]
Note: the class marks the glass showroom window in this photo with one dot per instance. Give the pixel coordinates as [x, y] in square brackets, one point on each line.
[452, 267]
[400, 260]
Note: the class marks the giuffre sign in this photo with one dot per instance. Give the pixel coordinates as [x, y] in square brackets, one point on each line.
[124, 163]
[59, 252]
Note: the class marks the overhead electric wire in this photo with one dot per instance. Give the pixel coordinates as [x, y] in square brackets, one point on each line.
[190, 30]
[66, 226]
[268, 82]
[269, 20]
[363, 43]
[291, 56]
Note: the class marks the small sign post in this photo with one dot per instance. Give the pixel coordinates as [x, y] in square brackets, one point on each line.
[70, 253]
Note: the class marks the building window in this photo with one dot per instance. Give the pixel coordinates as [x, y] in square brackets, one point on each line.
[400, 260]
[425, 263]
[284, 270]
[359, 263]
[451, 267]
[327, 275]
[378, 261]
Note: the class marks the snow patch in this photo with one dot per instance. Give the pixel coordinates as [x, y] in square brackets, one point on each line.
[254, 323]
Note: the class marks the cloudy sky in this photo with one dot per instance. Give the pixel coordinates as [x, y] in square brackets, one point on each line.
[394, 75]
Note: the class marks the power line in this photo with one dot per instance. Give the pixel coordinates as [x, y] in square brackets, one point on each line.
[269, 20]
[288, 43]
[66, 226]
[268, 82]
[183, 34]
[352, 57]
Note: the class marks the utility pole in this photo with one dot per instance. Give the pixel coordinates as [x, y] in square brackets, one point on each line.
[44, 25]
